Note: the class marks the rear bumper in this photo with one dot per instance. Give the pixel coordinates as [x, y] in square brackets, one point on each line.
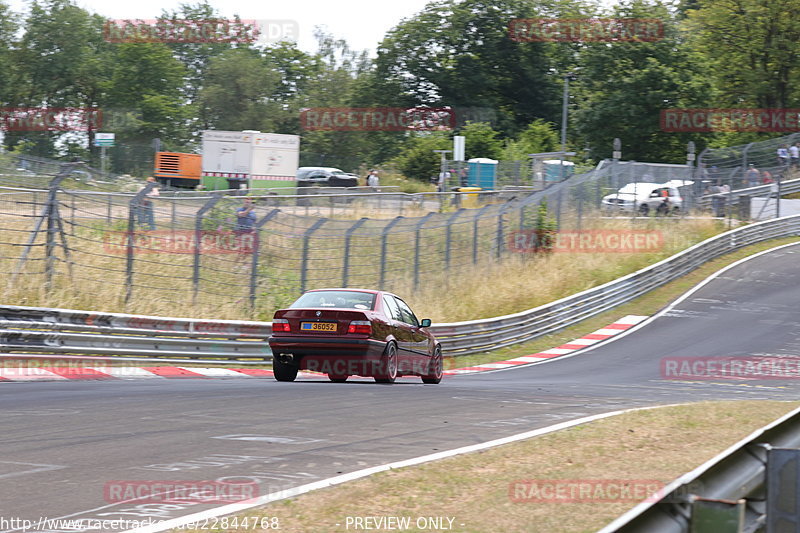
[352, 357]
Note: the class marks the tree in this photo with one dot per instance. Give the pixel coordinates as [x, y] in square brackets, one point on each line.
[481, 141]
[623, 86]
[238, 92]
[753, 50]
[460, 54]
[539, 136]
[418, 159]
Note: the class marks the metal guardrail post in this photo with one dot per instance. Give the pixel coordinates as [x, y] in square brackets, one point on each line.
[417, 235]
[384, 239]
[198, 239]
[448, 237]
[783, 490]
[254, 260]
[347, 238]
[306, 239]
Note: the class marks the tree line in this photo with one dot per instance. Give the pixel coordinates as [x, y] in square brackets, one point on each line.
[505, 91]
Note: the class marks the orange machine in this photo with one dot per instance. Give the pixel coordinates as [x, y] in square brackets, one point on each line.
[178, 170]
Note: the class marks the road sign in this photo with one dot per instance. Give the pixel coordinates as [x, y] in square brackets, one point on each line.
[104, 139]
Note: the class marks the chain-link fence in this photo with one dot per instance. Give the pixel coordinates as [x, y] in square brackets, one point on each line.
[749, 179]
[236, 254]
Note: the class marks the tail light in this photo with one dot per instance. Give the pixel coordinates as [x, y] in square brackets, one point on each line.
[280, 325]
[363, 327]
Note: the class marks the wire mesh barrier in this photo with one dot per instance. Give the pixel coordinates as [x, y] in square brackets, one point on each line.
[42, 330]
[233, 255]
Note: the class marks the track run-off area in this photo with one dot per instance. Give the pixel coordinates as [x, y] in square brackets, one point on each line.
[67, 444]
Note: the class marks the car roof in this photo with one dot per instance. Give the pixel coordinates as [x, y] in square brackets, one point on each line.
[371, 291]
[330, 169]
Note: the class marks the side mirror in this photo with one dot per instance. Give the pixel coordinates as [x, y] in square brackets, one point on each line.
[425, 323]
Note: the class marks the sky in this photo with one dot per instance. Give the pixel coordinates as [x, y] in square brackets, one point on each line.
[362, 23]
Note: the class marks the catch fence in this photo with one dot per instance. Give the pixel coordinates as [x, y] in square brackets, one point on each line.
[190, 248]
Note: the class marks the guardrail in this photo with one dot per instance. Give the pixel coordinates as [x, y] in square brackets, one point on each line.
[64, 331]
[751, 485]
[475, 336]
[786, 187]
[41, 330]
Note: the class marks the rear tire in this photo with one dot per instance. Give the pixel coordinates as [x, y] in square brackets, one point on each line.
[284, 371]
[388, 370]
[435, 368]
[336, 378]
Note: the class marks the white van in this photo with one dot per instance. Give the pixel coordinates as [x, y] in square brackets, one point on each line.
[646, 196]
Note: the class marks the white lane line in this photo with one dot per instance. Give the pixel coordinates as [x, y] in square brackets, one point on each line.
[358, 474]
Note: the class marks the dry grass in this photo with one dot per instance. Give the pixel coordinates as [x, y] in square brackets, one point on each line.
[523, 282]
[658, 444]
[163, 282]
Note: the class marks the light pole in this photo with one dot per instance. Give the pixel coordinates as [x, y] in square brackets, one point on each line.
[564, 115]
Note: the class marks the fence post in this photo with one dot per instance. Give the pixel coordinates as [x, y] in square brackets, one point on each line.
[347, 237]
[173, 215]
[500, 239]
[417, 232]
[744, 161]
[306, 239]
[133, 210]
[108, 209]
[256, 248]
[447, 237]
[475, 230]
[198, 239]
[384, 238]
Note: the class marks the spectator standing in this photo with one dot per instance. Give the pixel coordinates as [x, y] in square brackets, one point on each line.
[794, 154]
[752, 176]
[145, 214]
[246, 217]
[766, 177]
[783, 156]
[373, 180]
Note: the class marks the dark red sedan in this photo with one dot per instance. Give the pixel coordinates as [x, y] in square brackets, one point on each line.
[353, 332]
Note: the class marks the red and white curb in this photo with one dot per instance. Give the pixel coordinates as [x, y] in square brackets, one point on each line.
[25, 372]
[600, 335]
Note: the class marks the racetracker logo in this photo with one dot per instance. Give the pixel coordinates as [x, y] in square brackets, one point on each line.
[166, 491]
[738, 368]
[180, 242]
[199, 31]
[31, 368]
[709, 120]
[585, 30]
[587, 241]
[50, 118]
[585, 490]
[377, 119]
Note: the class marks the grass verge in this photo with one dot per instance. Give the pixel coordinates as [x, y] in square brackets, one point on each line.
[474, 489]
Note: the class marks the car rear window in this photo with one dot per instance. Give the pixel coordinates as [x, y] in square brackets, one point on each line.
[341, 299]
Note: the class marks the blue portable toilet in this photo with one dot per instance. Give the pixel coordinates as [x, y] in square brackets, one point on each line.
[482, 173]
[552, 169]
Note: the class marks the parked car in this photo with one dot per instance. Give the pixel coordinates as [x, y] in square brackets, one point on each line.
[325, 177]
[646, 196]
[353, 332]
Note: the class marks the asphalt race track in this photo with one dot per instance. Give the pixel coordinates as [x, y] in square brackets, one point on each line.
[63, 442]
